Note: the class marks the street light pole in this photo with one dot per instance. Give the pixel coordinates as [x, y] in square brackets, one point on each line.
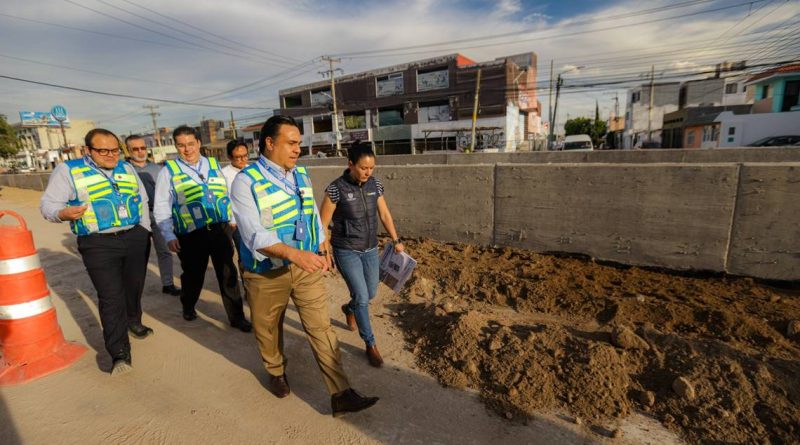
[559, 82]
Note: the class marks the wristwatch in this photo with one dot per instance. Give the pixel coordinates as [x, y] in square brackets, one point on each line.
[396, 240]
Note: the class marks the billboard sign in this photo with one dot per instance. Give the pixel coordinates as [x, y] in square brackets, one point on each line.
[59, 113]
[39, 119]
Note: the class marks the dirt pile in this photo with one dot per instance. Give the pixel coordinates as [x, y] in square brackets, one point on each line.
[716, 359]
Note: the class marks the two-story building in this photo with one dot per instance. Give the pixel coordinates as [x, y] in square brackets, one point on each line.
[423, 105]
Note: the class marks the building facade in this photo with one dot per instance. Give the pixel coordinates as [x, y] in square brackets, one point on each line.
[422, 106]
[42, 146]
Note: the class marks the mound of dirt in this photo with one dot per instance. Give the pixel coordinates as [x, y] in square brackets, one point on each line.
[714, 358]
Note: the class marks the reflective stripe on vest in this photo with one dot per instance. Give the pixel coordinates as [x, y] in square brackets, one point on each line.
[19, 265]
[276, 205]
[27, 309]
[102, 198]
[192, 208]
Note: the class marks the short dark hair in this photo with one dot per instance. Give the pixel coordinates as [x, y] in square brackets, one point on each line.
[233, 145]
[92, 133]
[271, 128]
[359, 150]
[183, 130]
[132, 137]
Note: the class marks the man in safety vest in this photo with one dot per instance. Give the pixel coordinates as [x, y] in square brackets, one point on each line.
[192, 209]
[284, 254]
[106, 206]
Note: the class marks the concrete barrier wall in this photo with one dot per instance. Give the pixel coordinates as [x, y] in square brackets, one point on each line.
[670, 215]
[447, 203]
[741, 218]
[765, 237]
[788, 154]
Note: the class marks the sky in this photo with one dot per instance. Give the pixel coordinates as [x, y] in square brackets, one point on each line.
[237, 54]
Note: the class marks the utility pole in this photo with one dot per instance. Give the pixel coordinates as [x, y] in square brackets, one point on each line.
[650, 108]
[233, 126]
[559, 81]
[475, 110]
[550, 106]
[331, 72]
[153, 115]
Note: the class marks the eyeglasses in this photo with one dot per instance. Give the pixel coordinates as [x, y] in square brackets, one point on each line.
[138, 148]
[106, 151]
[239, 158]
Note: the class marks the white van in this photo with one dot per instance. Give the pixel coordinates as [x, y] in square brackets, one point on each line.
[579, 142]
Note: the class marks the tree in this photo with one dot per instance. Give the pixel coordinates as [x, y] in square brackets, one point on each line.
[9, 145]
[578, 125]
[596, 128]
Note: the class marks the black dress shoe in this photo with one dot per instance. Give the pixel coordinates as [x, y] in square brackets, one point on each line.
[349, 401]
[140, 331]
[278, 385]
[171, 290]
[122, 363]
[242, 325]
[189, 315]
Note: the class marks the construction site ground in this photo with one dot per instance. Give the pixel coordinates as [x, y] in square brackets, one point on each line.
[484, 346]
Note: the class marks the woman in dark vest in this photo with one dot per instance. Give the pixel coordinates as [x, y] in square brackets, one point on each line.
[354, 202]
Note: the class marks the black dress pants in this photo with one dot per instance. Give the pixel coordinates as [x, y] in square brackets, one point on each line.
[117, 265]
[195, 249]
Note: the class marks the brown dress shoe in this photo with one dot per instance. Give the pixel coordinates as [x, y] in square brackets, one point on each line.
[350, 317]
[374, 356]
[349, 401]
[278, 385]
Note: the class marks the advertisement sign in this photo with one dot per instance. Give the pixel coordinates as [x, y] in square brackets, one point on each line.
[59, 113]
[39, 119]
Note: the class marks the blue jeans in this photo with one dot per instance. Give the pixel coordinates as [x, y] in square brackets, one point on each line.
[360, 272]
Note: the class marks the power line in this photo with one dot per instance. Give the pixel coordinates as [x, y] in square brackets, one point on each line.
[127, 96]
[174, 29]
[211, 33]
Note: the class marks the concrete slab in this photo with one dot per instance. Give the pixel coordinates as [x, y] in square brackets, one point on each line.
[447, 203]
[670, 215]
[765, 239]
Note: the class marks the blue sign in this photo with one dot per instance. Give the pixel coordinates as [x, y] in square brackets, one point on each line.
[59, 113]
[39, 119]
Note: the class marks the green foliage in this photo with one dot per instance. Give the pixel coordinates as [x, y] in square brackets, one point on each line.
[596, 128]
[9, 145]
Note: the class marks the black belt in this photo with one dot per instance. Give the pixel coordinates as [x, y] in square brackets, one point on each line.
[117, 233]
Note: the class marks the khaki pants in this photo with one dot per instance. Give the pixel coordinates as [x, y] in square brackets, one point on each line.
[268, 294]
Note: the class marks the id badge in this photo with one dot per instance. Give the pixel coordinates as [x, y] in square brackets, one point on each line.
[122, 211]
[210, 196]
[300, 231]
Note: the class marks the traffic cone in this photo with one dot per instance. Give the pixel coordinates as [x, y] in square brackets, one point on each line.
[31, 342]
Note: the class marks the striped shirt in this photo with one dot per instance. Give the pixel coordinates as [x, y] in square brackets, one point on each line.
[333, 191]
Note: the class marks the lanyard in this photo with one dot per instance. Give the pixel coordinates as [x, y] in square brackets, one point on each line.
[196, 170]
[97, 168]
[296, 186]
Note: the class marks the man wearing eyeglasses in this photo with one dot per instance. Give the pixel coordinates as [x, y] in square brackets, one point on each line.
[148, 172]
[107, 208]
[192, 210]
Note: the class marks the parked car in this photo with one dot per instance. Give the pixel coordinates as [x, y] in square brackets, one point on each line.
[775, 141]
[580, 142]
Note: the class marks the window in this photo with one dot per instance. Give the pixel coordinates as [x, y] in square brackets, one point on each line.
[690, 137]
[434, 111]
[635, 97]
[791, 95]
[765, 92]
[323, 124]
[390, 116]
[731, 131]
[321, 98]
[433, 79]
[731, 88]
[292, 101]
[355, 120]
[389, 85]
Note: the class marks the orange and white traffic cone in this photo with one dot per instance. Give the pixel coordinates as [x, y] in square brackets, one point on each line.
[31, 342]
